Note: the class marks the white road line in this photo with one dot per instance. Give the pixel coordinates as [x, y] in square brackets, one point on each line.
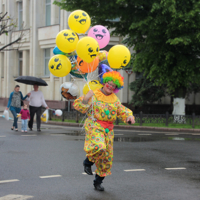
[176, 168]
[2, 136]
[172, 134]
[134, 170]
[15, 197]
[9, 181]
[58, 135]
[86, 174]
[51, 176]
[144, 134]
[28, 135]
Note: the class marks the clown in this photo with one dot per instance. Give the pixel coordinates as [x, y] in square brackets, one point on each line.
[102, 107]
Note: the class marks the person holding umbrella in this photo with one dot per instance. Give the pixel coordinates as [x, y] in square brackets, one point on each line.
[36, 98]
[36, 101]
[14, 103]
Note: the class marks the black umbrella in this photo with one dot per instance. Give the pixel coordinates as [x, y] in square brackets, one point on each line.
[31, 80]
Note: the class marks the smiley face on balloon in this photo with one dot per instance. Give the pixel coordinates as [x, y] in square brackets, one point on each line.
[79, 21]
[56, 65]
[124, 62]
[92, 50]
[100, 34]
[59, 65]
[66, 41]
[70, 36]
[119, 57]
[87, 49]
[80, 17]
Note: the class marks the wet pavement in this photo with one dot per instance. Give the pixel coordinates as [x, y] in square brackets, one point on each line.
[147, 165]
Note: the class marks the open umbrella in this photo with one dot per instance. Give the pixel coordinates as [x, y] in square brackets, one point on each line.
[31, 80]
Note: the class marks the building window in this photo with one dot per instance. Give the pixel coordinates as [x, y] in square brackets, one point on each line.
[48, 12]
[20, 63]
[46, 62]
[20, 16]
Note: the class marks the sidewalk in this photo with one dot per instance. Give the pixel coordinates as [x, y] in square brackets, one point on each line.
[144, 128]
[147, 128]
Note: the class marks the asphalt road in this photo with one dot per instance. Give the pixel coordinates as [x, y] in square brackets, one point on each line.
[147, 165]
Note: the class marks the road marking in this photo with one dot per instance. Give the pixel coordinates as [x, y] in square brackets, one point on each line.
[58, 134]
[177, 168]
[87, 174]
[144, 134]
[134, 170]
[28, 135]
[2, 136]
[172, 134]
[51, 176]
[119, 134]
[9, 181]
[15, 197]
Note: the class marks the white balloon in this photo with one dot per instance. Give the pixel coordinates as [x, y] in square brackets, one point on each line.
[73, 88]
[58, 112]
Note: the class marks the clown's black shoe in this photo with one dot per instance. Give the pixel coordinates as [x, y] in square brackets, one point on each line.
[98, 187]
[87, 169]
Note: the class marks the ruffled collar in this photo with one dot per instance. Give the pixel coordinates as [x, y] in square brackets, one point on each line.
[112, 98]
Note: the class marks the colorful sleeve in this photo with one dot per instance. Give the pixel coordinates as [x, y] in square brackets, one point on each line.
[123, 112]
[78, 105]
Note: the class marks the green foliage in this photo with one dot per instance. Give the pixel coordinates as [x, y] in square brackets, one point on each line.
[164, 36]
[145, 91]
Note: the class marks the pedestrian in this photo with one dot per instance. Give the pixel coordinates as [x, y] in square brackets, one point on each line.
[14, 103]
[36, 101]
[102, 107]
[25, 116]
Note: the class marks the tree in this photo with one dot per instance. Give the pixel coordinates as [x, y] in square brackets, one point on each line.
[8, 25]
[164, 36]
[145, 91]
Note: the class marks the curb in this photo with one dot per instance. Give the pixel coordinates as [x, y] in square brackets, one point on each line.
[131, 127]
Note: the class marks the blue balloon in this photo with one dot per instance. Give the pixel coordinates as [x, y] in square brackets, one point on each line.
[56, 51]
[103, 68]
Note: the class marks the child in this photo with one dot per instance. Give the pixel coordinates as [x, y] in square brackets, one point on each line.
[25, 115]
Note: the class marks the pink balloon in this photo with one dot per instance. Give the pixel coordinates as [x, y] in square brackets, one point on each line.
[100, 34]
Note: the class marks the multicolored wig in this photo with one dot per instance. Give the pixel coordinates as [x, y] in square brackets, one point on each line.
[115, 77]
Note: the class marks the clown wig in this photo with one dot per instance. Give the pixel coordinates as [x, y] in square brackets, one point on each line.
[115, 77]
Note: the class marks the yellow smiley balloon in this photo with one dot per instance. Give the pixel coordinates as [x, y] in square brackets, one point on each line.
[87, 49]
[66, 41]
[79, 21]
[93, 85]
[118, 56]
[59, 65]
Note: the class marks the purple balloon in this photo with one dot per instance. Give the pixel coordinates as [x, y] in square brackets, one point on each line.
[103, 68]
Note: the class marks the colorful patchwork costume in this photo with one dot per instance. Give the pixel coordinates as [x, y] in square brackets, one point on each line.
[102, 111]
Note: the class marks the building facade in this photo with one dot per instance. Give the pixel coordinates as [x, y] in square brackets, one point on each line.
[42, 21]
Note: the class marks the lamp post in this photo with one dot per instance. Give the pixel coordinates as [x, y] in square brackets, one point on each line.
[129, 72]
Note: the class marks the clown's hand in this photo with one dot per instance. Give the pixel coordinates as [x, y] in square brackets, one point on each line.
[130, 120]
[87, 97]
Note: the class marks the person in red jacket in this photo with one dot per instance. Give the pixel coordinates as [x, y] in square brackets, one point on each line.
[25, 116]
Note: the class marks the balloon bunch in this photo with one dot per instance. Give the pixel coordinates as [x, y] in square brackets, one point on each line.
[82, 56]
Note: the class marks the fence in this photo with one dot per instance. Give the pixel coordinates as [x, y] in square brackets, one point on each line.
[162, 119]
